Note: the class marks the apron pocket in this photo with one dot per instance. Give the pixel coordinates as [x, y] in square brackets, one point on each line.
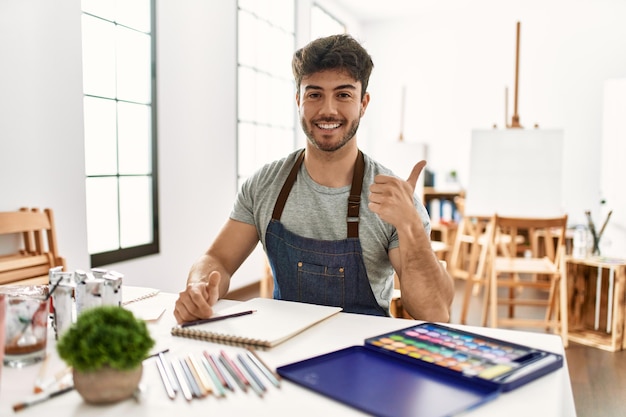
[314, 280]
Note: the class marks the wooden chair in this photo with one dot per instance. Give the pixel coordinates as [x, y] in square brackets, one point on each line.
[36, 247]
[468, 259]
[531, 281]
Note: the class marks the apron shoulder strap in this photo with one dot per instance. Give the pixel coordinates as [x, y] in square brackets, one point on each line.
[284, 192]
[354, 201]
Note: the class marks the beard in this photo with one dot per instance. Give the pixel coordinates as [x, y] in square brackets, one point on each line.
[329, 146]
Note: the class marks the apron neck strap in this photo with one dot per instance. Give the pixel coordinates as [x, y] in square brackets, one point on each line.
[354, 201]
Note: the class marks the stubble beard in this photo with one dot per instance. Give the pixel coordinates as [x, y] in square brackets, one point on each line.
[333, 146]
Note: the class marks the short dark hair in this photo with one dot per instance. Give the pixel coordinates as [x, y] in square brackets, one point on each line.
[341, 52]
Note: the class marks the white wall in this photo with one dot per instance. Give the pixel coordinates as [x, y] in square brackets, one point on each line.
[613, 241]
[41, 116]
[455, 63]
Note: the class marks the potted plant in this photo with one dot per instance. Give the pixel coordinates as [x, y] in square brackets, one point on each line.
[106, 347]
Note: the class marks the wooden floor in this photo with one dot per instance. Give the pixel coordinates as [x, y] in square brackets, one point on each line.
[598, 377]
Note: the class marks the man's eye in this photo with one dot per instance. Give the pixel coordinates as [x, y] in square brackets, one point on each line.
[344, 95]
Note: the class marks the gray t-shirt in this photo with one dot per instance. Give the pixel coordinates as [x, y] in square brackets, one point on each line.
[319, 212]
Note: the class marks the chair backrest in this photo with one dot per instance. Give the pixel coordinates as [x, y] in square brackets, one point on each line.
[544, 236]
[37, 249]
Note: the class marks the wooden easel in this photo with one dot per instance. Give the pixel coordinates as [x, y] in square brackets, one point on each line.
[515, 118]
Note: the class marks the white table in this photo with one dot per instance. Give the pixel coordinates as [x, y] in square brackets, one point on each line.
[550, 395]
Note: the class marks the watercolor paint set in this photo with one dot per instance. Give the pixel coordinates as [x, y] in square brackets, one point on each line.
[407, 372]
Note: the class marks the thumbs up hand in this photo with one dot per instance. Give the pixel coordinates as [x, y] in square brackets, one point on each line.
[392, 198]
[415, 173]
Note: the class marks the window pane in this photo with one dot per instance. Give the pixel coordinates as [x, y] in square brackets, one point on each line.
[135, 211]
[323, 24]
[134, 138]
[246, 101]
[283, 103]
[100, 136]
[134, 14]
[98, 57]
[102, 218]
[247, 150]
[263, 94]
[247, 41]
[283, 51]
[266, 95]
[283, 14]
[102, 8]
[134, 79]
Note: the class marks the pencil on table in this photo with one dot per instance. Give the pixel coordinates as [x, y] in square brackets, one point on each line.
[217, 382]
[239, 379]
[222, 371]
[254, 380]
[164, 378]
[271, 376]
[182, 381]
[200, 375]
[193, 384]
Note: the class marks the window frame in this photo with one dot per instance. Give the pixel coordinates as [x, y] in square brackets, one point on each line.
[263, 124]
[127, 253]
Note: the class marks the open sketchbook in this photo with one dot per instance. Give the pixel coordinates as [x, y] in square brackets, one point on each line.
[273, 322]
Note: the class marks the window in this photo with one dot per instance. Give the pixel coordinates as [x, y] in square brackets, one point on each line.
[120, 129]
[324, 24]
[266, 94]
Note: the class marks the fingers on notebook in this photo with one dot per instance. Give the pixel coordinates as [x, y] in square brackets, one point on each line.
[193, 303]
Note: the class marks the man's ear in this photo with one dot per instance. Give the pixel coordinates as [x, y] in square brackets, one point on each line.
[364, 102]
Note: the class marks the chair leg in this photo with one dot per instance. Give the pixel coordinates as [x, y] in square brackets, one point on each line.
[485, 308]
[467, 295]
[493, 300]
[552, 302]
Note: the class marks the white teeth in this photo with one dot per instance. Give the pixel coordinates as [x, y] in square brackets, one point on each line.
[329, 126]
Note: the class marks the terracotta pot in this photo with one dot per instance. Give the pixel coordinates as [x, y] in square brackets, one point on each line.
[107, 385]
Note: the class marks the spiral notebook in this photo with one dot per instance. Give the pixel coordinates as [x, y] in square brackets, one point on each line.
[273, 322]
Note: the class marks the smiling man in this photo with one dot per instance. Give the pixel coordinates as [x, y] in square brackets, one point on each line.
[334, 223]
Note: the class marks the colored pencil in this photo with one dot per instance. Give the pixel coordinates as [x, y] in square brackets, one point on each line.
[271, 376]
[164, 378]
[182, 381]
[218, 372]
[254, 380]
[219, 387]
[233, 373]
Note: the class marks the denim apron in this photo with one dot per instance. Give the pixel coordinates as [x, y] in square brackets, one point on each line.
[326, 272]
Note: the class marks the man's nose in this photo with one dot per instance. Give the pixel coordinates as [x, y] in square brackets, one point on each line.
[329, 106]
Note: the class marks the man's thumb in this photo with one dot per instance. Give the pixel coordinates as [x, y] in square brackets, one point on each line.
[415, 173]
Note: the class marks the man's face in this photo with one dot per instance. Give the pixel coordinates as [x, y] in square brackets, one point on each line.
[330, 107]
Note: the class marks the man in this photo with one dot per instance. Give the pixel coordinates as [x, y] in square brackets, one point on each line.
[334, 223]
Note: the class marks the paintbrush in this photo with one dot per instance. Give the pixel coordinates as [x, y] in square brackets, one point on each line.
[21, 406]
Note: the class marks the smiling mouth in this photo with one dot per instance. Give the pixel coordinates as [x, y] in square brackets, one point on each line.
[328, 126]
